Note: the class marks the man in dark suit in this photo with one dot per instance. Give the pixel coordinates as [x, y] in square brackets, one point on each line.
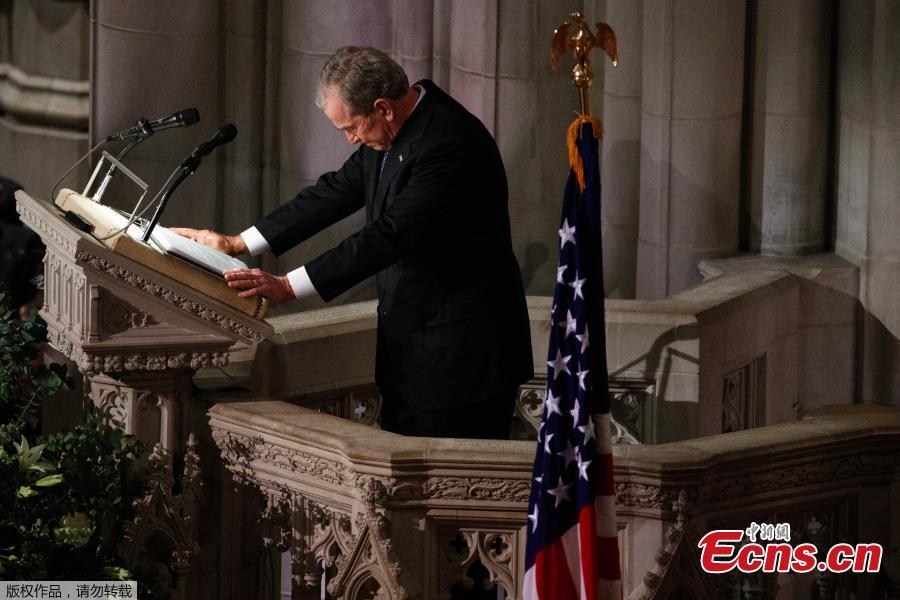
[453, 330]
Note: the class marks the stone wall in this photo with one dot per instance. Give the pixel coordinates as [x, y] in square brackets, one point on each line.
[43, 91]
[867, 181]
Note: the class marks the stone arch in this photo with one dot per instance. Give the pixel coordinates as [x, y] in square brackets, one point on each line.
[153, 419]
[366, 585]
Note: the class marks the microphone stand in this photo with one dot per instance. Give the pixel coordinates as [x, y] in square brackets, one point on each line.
[101, 189]
[187, 169]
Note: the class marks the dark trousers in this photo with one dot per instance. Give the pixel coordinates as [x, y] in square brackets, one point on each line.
[490, 418]
[402, 404]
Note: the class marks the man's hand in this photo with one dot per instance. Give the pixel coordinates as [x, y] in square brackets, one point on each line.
[256, 282]
[229, 244]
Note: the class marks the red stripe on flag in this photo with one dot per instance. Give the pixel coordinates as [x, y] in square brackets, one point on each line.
[588, 542]
[552, 578]
[599, 555]
[608, 558]
[605, 484]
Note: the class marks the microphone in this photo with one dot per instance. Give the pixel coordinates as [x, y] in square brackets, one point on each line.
[223, 135]
[144, 128]
[139, 133]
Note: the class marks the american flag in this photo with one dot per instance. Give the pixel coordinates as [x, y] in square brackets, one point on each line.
[572, 550]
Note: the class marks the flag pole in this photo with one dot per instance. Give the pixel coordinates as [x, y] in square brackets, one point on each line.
[571, 548]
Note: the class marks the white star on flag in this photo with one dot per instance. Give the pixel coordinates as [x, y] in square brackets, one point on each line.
[559, 273]
[560, 492]
[533, 517]
[547, 443]
[578, 284]
[559, 364]
[569, 453]
[571, 324]
[581, 377]
[584, 339]
[575, 410]
[551, 404]
[587, 430]
[582, 470]
[566, 234]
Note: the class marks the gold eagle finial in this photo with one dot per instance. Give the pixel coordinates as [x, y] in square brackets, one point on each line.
[575, 35]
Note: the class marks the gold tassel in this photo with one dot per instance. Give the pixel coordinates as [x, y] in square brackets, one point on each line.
[572, 137]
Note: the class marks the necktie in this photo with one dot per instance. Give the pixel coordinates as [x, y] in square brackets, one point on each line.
[383, 162]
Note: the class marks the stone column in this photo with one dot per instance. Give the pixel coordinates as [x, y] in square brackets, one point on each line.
[868, 185]
[621, 166]
[791, 126]
[869, 182]
[691, 100]
[150, 59]
[855, 25]
[147, 404]
[533, 108]
[5, 31]
[249, 97]
[883, 245]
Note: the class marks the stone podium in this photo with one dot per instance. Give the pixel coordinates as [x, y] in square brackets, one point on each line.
[137, 334]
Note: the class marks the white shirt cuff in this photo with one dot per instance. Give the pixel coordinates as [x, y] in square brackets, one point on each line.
[301, 283]
[256, 243]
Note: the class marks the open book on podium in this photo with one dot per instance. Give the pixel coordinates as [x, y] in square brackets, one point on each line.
[167, 252]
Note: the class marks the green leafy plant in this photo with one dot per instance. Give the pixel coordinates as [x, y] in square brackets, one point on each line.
[24, 378]
[64, 503]
[65, 499]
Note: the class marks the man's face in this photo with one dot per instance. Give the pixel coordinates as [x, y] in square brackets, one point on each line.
[373, 130]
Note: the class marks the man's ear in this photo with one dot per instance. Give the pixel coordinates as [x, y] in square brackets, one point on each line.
[383, 107]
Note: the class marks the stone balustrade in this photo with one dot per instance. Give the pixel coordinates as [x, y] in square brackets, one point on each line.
[400, 514]
[833, 476]
[761, 341]
[366, 513]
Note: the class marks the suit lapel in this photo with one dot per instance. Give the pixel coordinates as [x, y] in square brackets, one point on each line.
[391, 166]
[370, 168]
[404, 145]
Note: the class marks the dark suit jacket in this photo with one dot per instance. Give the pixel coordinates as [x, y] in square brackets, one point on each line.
[437, 238]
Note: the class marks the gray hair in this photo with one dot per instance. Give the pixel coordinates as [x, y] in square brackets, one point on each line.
[362, 75]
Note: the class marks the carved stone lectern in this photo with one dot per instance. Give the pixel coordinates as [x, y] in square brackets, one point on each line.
[137, 333]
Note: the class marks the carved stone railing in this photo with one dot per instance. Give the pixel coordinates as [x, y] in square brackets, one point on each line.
[369, 510]
[366, 513]
[727, 355]
[833, 476]
[160, 543]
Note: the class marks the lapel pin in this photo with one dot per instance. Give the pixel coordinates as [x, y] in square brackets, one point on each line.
[401, 158]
